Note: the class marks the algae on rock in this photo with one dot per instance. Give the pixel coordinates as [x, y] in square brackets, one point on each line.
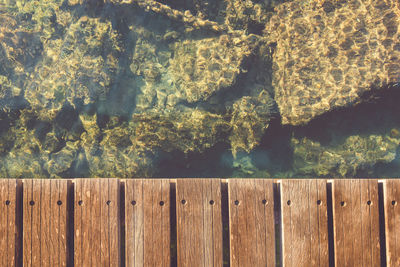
[356, 154]
[62, 76]
[329, 53]
[201, 68]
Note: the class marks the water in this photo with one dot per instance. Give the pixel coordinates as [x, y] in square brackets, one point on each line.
[199, 88]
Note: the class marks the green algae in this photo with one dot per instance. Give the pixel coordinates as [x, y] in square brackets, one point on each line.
[150, 89]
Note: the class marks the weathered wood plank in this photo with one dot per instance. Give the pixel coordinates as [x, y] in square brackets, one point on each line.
[356, 222]
[35, 208]
[86, 222]
[3, 221]
[78, 223]
[97, 222]
[42, 233]
[134, 223]
[54, 223]
[304, 217]
[319, 223]
[199, 222]
[251, 231]
[62, 230]
[392, 221]
[147, 217]
[45, 191]
[96, 186]
[7, 221]
[104, 220]
[165, 223]
[27, 222]
[112, 205]
[10, 204]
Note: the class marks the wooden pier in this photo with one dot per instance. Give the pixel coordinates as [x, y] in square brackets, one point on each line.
[199, 222]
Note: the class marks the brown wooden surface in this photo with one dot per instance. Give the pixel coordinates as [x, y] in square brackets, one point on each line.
[97, 222]
[252, 224]
[45, 229]
[356, 222]
[44, 223]
[8, 228]
[392, 221]
[305, 223]
[199, 222]
[147, 222]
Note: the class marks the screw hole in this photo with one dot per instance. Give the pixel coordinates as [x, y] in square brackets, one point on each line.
[108, 202]
[236, 202]
[211, 202]
[289, 202]
[8, 202]
[133, 202]
[59, 203]
[343, 203]
[80, 202]
[264, 201]
[394, 203]
[369, 202]
[162, 203]
[319, 202]
[183, 201]
[31, 202]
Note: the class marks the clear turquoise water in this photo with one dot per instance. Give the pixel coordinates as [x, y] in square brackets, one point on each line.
[91, 89]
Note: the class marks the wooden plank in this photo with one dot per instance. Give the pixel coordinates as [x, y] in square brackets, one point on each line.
[97, 222]
[42, 233]
[78, 222]
[304, 217]
[147, 226]
[114, 221]
[199, 222]
[154, 224]
[392, 221]
[45, 191]
[82, 241]
[356, 222]
[96, 206]
[27, 223]
[105, 233]
[62, 229]
[3, 221]
[54, 223]
[134, 222]
[10, 204]
[86, 222]
[35, 218]
[252, 233]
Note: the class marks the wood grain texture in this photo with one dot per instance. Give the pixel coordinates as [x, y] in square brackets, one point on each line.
[27, 222]
[356, 222]
[199, 222]
[252, 222]
[147, 222]
[8, 228]
[392, 221]
[97, 222]
[304, 228]
[44, 240]
[3, 221]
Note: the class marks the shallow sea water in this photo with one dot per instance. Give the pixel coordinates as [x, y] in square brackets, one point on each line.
[188, 88]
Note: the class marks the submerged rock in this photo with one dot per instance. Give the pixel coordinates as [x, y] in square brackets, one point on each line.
[200, 68]
[81, 66]
[329, 53]
[355, 154]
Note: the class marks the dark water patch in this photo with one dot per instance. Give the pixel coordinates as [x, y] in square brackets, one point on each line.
[214, 163]
[379, 113]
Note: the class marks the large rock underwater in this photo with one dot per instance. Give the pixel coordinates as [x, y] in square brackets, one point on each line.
[196, 88]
